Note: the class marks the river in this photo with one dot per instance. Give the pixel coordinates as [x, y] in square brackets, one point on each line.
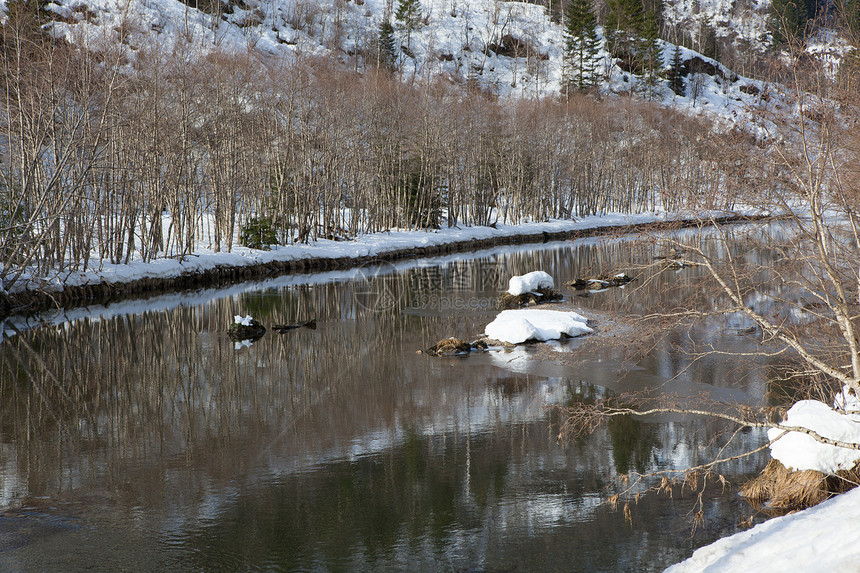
[140, 437]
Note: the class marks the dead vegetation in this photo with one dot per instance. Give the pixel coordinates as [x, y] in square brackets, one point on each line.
[779, 488]
[209, 145]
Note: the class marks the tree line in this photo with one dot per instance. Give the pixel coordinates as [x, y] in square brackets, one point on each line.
[100, 164]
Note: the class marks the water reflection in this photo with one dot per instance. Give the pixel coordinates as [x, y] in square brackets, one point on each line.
[340, 447]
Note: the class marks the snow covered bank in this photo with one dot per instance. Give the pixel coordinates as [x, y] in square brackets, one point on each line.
[799, 451]
[366, 246]
[102, 281]
[823, 538]
[517, 326]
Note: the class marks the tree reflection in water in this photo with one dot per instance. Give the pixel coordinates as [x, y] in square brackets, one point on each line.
[339, 447]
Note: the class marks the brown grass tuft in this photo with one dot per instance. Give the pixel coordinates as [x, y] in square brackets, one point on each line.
[779, 488]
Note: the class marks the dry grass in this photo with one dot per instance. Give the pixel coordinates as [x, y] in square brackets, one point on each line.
[779, 488]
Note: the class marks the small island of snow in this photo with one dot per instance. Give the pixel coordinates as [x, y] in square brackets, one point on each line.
[530, 282]
[516, 326]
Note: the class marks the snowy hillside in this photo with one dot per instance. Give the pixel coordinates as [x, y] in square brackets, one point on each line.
[508, 48]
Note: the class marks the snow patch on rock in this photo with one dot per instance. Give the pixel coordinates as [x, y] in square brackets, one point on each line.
[517, 326]
[246, 320]
[529, 282]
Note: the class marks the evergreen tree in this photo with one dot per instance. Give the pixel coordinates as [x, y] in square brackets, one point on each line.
[581, 43]
[649, 55]
[409, 18]
[387, 46]
[787, 21]
[708, 39]
[624, 23]
[676, 79]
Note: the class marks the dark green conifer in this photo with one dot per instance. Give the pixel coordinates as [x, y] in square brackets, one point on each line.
[387, 46]
[676, 79]
[581, 44]
[787, 21]
[649, 55]
[409, 18]
[625, 20]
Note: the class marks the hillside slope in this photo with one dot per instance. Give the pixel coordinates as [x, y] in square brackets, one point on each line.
[507, 48]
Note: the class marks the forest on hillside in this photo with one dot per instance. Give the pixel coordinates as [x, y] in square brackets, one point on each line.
[111, 160]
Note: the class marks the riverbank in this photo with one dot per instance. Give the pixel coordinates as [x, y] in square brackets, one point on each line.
[821, 538]
[102, 282]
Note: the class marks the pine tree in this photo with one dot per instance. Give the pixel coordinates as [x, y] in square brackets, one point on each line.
[708, 39]
[649, 54]
[387, 46]
[787, 21]
[581, 43]
[624, 23]
[409, 18]
[676, 79]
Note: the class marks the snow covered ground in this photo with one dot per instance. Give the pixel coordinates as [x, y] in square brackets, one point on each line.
[822, 539]
[205, 258]
[458, 41]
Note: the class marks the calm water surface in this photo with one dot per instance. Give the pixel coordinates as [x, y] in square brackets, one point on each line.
[139, 437]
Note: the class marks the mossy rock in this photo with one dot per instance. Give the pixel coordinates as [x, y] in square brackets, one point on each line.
[600, 282]
[253, 331]
[539, 296]
[455, 347]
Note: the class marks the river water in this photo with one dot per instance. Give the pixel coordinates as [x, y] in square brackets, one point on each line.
[139, 437]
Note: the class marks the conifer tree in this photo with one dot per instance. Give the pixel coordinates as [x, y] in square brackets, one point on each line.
[676, 79]
[649, 54]
[387, 46]
[787, 21]
[408, 16]
[624, 23]
[581, 43]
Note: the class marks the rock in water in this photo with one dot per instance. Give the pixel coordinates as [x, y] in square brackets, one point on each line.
[246, 329]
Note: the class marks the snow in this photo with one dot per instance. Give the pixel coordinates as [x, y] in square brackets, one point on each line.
[822, 539]
[530, 282]
[369, 245]
[517, 326]
[847, 401]
[453, 42]
[246, 320]
[801, 452]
